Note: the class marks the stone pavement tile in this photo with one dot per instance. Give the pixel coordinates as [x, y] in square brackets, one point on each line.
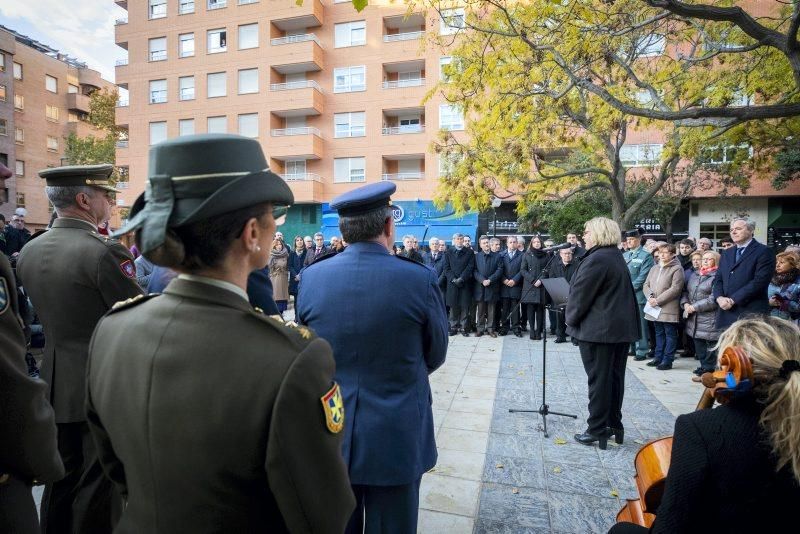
[478, 422]
[462, 440]
[514, 471]
[515, 445]
[439, 377]
[516, 371]
[582, 513]
[571, 452]
[514, 383]
[460, 464]
[523, 424]
[577, 479]
[487, 526]
[651, 407]
[622, 481]
[476, 392]
[443, 401]
[480, 381]
[441, 523]
[525, 509]
[481, 406]
[449, 495]
[477, 370]
[440, 389]
[514, 398]
[438, 419]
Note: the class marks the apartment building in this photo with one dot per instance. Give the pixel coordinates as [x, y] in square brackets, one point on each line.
[334, 96]
[44, 96]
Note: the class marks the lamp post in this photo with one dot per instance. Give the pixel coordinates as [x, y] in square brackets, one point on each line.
[495, 204]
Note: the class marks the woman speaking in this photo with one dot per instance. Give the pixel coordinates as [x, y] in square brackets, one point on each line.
[602, 315]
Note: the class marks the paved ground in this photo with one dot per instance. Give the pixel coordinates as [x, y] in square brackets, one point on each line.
[496, 470]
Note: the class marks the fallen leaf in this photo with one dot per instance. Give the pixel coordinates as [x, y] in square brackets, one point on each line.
[560, 441]
[614, 493]
[499, 466]
[640, 442]
[514, 490]
[521, 373]
[557, 469]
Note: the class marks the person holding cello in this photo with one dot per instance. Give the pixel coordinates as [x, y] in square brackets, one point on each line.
[736, 468]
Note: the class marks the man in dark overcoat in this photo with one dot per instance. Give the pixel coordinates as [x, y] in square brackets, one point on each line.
[511, 290]
[459, 264]
[743, 277]
[488, 272]
[564, 268]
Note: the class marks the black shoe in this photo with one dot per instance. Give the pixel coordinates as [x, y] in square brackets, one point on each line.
[664, 366]
[653, 363]
[560, 340]
[552, 332]
[502, 333]
[453, 332]
[575, 342]
[492, 334]
[699, 371]
[524, 328]
[518, 333]
[617, 433]
[589, 439]
[465, 333]
[478, 334]
[639, 358]
[536, 337]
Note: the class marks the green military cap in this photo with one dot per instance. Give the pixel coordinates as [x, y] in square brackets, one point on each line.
[196, 177]
[76, 175]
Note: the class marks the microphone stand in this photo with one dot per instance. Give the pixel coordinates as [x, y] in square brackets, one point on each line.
[544, 408]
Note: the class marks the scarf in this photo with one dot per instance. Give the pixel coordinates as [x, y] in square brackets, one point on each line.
[710, 270]
[780, 279]
[274, 257]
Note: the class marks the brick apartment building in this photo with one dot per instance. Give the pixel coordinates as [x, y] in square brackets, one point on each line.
[43, 98]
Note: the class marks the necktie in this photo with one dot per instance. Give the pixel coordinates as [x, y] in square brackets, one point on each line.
[739, 252]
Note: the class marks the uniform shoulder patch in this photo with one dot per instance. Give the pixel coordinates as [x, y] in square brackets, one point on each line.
[131, 302]
[5, 299]
[333, 406]
[128, 268]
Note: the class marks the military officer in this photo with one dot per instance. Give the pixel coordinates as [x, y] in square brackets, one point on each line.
[210, 416]
[384, 349]
[28, 449]
[73, 276]
[639, 264]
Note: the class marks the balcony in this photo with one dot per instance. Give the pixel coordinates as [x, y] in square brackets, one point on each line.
[302, 177]
[122, 185]
[305, 99]
[121, 62]
[405, 129]
[291, 16]
[306, 187]
[122, 143]
[295, 85]
[78, 102]
[402, 176]
[123, 103]
[289, 39]
[121, 21]
[407, 36]
[398, 84]
[217, 4]
[403, 168]
[304, 130]
[297, 55]
[295, 143]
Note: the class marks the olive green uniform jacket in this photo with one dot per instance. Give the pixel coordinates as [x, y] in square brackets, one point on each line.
[208, 416]
[73, 276]
[28, 449]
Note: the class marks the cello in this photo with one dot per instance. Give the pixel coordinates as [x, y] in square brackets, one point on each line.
[734, 377]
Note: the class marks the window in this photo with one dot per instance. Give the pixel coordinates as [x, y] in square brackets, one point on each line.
[217, 83]
[158, 132]
[51, 113]
[217, 41]
[452, 21]
[409, 78]
[248, 36]
[19, 168]
[248, 125]
[295, 169]
[410, 124]
[347, 79]
[349, 124]
[3, 127]
[72, 117]
[186, 45]
[243, 2]
[216, 4]
[19, 102]
[350, 34]
[217, 125]
[651, 45]
[185, 7]
[719, 155]
[638, 155]
[450, 117]
[444, 61]
[186, 88]
[52, 143]
[248, 81]
[2, 93]
[349, 170]
[19, 135]
[158, 9]
[447, 164]
[158, 49]
[158, 91]
[186, 127]
[20, 200]
[2, 62]
[51, 83]
[17, 71]
[72, 88]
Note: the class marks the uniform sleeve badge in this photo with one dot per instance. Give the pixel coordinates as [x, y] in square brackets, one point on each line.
[128, 268]
[4, 300]
[333, 406]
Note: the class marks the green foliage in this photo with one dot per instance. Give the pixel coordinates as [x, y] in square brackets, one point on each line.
[102, 110]
[90, 150]
[788, 161]
[560, 218]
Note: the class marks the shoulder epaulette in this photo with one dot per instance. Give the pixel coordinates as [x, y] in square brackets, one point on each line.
[131, 302]
[104, 238]
[411, 261]
[299, 334]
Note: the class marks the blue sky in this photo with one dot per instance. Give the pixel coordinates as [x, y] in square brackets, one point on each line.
[83, 29]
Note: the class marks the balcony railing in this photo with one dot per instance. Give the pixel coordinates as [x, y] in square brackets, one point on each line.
[120, 22]
[398, 130]
[158, 55]
[302, 177]
[407, 36]
[122, 143]
[219, 4]
[121, 62]
[123, 103]
[289, 39]
[303, 130]
[403, 176]
[295, 85]
[122, 185]
[395, 84]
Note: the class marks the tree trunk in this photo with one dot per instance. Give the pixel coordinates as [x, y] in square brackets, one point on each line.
[668, 230]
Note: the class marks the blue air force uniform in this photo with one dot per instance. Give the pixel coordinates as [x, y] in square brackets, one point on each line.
[384, 348]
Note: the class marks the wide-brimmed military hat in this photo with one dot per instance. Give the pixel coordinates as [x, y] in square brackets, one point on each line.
[196, 177]
[80, 175]
[636, 232]
[364, 199]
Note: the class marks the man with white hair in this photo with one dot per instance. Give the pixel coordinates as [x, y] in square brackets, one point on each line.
[704, 244]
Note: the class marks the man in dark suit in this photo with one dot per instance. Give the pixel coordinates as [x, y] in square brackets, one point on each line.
[384, 348]
[488, 272]
[511, 290]
[459, 264]
[318, 251]
[577, 249]
[564, 267]
[409, 249]
[73, 276]
[744, 273]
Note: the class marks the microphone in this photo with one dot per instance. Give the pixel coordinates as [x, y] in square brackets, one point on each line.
[554, 248]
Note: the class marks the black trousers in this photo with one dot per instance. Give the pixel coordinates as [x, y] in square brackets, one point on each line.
[536, 318]
[485, 316]
[385, 509]
[84, 501]
[605, 368]
[510, 306]
[17, 509]
[553, 318]
[561, 325]
[458, 317]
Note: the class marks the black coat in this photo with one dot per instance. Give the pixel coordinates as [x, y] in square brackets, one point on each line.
[312, 256]
[533, 263]
[487, 267]
[559, 270]
[601, 307]
[437, 264]
[259, 292]
[459, 265]
[722, 476]
[511, 271]
[296, 262]
[745, 281]
[414, 255]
